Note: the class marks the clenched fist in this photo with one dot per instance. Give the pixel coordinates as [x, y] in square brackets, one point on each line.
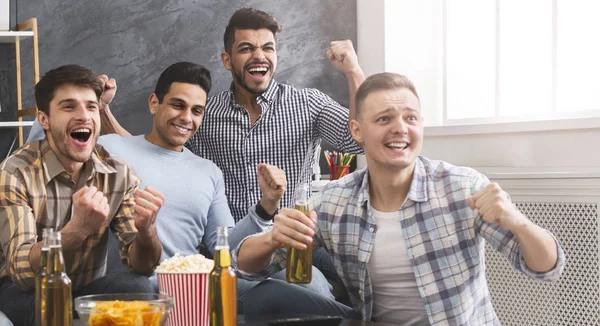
[109, 89]
[495, 207]
[272, 183]
[90, 209]
[342, 56]
[147, 204]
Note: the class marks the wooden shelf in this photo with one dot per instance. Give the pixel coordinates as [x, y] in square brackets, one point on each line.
[11, 36]
[8, 124]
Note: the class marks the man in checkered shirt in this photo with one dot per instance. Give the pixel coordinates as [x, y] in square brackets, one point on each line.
[406, 234]
[67, 182]
[259, 120]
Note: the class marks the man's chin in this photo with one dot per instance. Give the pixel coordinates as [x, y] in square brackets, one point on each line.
[256, 90]
[81, 157]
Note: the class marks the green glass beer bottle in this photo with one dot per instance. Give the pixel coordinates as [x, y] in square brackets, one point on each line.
[223, 285]
[56, 300]
[299, 262]
[40, 275]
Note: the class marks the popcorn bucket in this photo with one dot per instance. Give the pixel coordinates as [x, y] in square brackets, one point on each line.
[190, 296]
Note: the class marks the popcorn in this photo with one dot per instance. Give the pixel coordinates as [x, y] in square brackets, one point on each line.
[186, 264]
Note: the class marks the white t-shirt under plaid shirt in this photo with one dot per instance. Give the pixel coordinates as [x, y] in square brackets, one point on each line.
[292, 124]
[444, 238]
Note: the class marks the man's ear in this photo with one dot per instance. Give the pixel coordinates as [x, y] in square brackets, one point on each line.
[356, 132]
[43, 119]
[226, 59]
[153, 103]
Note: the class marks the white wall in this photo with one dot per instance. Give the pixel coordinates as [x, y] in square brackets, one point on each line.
[560, 151]
[526, 147]
[370, 47]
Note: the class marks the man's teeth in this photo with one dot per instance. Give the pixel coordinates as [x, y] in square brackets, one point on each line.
[398, 145]
[82, 130]
[258, 69]
[181, 128]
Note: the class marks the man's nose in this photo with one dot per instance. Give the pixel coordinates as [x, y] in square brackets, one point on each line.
[400, 126]
[83, 113]
[186, 115]
[258, 54]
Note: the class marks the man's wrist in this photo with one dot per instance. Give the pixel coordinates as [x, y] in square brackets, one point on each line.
[76, 231]
[521, 225]
[355, 73]
[264, 213]
[274, 245]
[147, 235]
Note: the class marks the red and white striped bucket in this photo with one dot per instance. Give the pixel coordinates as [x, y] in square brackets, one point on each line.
[190, 296]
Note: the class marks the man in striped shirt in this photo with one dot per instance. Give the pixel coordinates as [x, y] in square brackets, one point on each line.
[261, 121]
[68, 183]
[407, 234]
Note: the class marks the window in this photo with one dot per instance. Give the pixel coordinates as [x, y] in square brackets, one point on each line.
[487, 61]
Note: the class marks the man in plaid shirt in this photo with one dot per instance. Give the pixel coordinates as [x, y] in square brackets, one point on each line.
[406, 234]
[68, 183]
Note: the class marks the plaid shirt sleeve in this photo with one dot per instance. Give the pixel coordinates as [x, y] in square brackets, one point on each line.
[332, 122]
[123, 225]
[277, 263]
[507, 244]
[17, 230]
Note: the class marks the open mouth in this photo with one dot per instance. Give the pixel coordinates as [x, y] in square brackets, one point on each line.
[257, 71]
[81, 135]
[399, 146]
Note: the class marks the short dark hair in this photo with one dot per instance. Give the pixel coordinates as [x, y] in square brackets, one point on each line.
[182, 72]
[381, 81]
[248, 18]
[64, 75]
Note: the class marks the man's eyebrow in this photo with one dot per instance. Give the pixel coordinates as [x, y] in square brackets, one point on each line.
[71, 100]
[406, 108]
[178, 100]
[242, 44]
[67, 100]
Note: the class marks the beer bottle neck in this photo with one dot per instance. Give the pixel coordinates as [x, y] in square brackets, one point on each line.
[222, 257]
[56, 263]
[44, 258]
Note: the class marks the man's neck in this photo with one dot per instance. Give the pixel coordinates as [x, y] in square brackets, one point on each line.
[74, 168]
[154, 139]
[247, 100]
[388, 189]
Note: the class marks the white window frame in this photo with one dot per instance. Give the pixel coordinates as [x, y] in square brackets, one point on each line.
[372, 57]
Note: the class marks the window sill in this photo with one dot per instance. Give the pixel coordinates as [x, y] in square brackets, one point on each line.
[513, 127]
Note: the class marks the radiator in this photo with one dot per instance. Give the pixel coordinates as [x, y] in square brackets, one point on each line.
[575, 298]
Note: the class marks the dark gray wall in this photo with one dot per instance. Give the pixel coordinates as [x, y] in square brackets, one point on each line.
[134, 41]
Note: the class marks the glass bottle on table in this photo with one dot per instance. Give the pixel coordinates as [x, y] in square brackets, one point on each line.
[223, 285]
[56, 299]
[299, 262]
[43, 271]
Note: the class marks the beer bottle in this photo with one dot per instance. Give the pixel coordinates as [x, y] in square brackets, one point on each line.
[56, 300]
[40, 274]
[223, 285]
[299, 262]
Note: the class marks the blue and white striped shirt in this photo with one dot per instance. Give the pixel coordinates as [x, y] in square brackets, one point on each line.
[292, 124]
[443, 237]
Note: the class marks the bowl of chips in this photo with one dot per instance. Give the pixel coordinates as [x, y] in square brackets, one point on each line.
[124, 309]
